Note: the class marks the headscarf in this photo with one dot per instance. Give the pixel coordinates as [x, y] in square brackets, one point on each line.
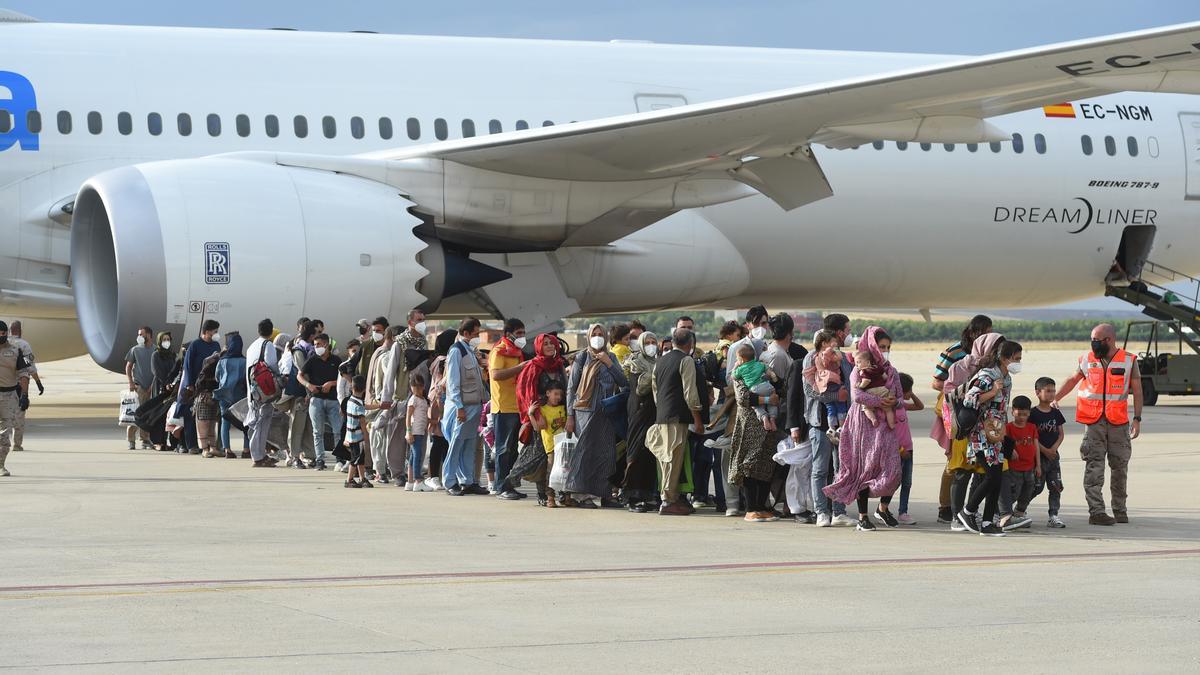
[966, 367]
[158, 341]
[280, 341]
[531, 374]
[507, 349]
[591, 371]
[870, 344]
[444, 341]
[233, 347]
[638, 363]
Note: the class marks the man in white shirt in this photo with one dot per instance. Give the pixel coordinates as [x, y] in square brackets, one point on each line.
[261, 409]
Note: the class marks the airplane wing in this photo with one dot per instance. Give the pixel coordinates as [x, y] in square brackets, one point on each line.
[761, 139]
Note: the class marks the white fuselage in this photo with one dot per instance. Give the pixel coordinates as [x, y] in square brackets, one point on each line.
[908, 228]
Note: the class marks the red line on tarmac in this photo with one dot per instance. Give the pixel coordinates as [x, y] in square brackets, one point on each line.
[612, 570]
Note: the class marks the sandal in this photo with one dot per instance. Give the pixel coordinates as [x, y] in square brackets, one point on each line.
[549, 502]
[229, 454]
[568, 501]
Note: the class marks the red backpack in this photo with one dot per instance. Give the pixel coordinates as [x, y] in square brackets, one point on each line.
[265, 379]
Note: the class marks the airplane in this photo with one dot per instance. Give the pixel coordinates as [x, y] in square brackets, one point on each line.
[163, 176]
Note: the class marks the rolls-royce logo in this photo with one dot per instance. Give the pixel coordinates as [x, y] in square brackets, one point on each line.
[216, 262]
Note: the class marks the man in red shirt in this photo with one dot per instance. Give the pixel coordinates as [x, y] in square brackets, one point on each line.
[1024, 466]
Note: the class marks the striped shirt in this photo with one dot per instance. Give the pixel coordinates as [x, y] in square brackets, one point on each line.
[953, 354]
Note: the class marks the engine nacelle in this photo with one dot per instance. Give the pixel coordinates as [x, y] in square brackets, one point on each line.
[169, 244]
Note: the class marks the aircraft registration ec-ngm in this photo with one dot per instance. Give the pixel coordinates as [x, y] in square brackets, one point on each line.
[162, 175]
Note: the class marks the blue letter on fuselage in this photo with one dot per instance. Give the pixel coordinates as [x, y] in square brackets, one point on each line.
[21, 101]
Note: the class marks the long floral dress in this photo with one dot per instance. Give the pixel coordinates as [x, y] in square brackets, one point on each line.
[752, 446]
[869, 455]
[995, 410]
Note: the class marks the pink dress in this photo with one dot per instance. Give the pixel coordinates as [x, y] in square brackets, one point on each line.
[869, 455]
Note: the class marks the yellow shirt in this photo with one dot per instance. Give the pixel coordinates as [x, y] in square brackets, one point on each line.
[621, 352]
[504, 392]
[556, 420]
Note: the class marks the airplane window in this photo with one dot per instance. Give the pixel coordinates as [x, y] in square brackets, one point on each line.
[1039, 144]
[357, 128]
[271, 126]
[329, 127]
[5, 122]
[1131, 143]
[125, 123]
[242, 123]
[414, 128]
[1152, 146]
[949, 147]
[547, 123]
[214, 125]
[878, 145]
[522, 125]
[994, 146]
[300, 126]
[926, 146]
[1018, 143]
[901, 145]
[385, 128]
[1110, 146]
[440, 130]
[154, 124]
[64, 122]
[468, 127]
[1086, 143]
[95, 123]
[494, 127]
[972, 147]
[184, 121]
[33, 122]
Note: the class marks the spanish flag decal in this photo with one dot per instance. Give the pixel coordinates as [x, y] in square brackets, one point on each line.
[1060, 110]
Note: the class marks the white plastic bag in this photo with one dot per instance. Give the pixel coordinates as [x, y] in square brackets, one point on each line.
[798, 486]
[174, 421]
[129, 406]
[564, 445]
[790, 453]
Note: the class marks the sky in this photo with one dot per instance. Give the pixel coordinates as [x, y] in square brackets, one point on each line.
[931, 26]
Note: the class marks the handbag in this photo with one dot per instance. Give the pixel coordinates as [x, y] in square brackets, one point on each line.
[128, 411]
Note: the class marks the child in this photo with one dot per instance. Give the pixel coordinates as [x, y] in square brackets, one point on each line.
[550, 419]
[1022, 466]
[757, 378]
[911, 404]
[417, 423]
[825, 376]
[1049, 422]
[872, 380]
[354, 433]
[206, 408]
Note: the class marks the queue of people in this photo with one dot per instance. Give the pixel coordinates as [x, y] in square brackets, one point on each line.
[644, 422]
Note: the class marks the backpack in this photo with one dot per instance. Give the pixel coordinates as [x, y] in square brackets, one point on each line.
[265, 381]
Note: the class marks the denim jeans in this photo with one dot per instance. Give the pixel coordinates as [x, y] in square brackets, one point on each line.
[224, 432]
[705, 464]
[824, 468]
[906, 470]
[507, 426]
[459, 465]
[322, 411]
[416, 456]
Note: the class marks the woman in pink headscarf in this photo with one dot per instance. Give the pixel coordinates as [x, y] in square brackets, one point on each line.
[870, 452]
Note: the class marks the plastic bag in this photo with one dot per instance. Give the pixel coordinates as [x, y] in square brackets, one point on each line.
[129, 406]
[564, 445]
[174, 420]
[790, 453]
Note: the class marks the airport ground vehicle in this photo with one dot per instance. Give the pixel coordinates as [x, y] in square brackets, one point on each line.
[1168, 348]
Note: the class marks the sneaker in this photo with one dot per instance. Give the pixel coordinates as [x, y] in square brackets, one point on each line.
[906, 519]
[367, 484]
[491, 488]
[865, 525]
[757, 517]
[382, 479]
[886, 518]
[4, 472]
[806, 518]
[475, 489]
[675, 509]
[455, 491]
[131, 445]
[733, 513]
[991, 530]
[145, 446]
[823, 520]
[434, 483]
[842, 520]
[345, 467]
[339, 466]
[320, 465]
[968, 520]
[1016, 523]
[509, 495]
[1120, 516]
[944, 515]
[1055, 522]
[1101, 519]
[701, 504]
[408, 487]
[420, 486]
[957, 526]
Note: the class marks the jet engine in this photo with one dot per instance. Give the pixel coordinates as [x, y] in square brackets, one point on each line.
[170, 244]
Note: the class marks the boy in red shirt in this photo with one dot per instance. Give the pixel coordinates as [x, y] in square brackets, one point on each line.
[1023, 467]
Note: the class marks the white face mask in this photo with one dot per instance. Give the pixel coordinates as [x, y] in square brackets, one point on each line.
[420, 328]
[475, 342]
[635, 347]
[216, 337]
[887, 357]
[651, 350]
[166, 344]
[1014, 367]
[377, 336]
[321, 351]
[758, 332]
[141, 340]
[520, 342]
[596, 342]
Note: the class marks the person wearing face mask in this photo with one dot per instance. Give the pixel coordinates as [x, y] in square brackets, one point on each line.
[870, 454]
[394, 393]
[640, 484]
[595, 376]
[14, 391]
[1108, 375]
[165, 363]
[463, 406]
[319, 376]
[369, 343]
[139, 373]
[193, 361]
[505, 363]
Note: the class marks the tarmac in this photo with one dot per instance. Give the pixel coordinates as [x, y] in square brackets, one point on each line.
[140, 561]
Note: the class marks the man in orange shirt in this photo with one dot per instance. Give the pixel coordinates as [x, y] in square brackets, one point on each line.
[505, 362]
